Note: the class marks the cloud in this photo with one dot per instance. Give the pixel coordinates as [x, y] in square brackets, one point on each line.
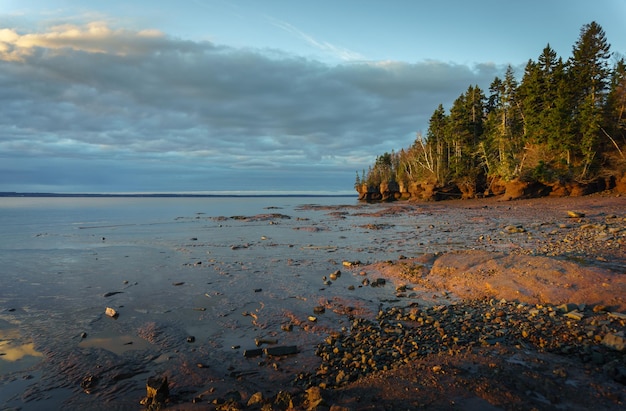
[95, 37]
[324, 46]
[93, 96]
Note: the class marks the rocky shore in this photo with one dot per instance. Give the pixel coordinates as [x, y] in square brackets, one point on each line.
[532, 317]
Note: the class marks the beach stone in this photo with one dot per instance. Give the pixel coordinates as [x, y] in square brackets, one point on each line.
[255, 399]
[575, 315]
[379, 282]
[157, 392]
[253, 353]
[512, 229]
[334, 275]
[615, 341]
[111, 312]
[314, 397]
[575, 214]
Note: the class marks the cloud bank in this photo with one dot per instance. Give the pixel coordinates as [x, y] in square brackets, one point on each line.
[98, 109]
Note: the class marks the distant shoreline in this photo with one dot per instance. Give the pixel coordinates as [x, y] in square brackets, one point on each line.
[165, 195]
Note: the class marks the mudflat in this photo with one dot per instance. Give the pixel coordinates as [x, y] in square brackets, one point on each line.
[478, 304]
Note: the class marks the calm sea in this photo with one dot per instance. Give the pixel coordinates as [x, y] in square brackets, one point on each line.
[23, 219]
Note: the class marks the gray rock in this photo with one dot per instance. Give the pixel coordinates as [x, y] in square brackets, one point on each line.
[615, 341]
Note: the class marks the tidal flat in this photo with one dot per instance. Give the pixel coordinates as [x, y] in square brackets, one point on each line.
[201, 288]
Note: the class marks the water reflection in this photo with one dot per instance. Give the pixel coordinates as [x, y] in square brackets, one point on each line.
[16, 355]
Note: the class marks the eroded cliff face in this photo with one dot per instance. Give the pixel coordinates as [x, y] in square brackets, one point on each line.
[507, 190]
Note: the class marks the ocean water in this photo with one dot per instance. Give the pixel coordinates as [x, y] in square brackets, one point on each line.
[191, 285]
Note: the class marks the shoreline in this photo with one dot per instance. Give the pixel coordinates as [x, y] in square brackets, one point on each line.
[516, 350]
[481, 273]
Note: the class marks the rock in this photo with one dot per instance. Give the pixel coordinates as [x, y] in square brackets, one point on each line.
[255, 399]
[157, 392]
[260, 341]
[575, 315]
[314, 397]
[282, 350]
[319, 309]
[253, 353]
[191, 339]
[615, 341]
[283, 400]
[111, 312]
[89, 383]
[575, 214]
[379, 282]
[619, 316]
[512, 229]
[567, 307]
[335, 275]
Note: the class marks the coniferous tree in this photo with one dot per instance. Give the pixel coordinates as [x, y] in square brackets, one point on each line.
[564, 120]
[504, 127]
[589, 76]
[465, 127]
[616, 108]
[436, 139]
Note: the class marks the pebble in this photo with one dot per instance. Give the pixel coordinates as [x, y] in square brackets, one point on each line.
[334, 275]
[401, 334]
[575, 214]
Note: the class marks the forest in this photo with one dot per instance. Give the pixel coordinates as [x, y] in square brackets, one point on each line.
[561, 126]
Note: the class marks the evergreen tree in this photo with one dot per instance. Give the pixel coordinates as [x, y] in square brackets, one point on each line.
[589, 76]
[616, 108]
[465, 127]
[436, 140]
[504, 128]
[563, 120]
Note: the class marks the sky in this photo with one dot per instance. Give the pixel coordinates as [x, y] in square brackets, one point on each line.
[154, 96]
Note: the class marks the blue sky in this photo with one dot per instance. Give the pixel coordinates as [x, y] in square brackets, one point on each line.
[216, 95]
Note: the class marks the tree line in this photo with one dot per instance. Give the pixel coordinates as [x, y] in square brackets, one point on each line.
[564, 121]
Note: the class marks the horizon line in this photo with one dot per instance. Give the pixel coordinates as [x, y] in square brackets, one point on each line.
[255, 193]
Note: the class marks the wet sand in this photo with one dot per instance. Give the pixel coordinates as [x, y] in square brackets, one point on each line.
[260, 281]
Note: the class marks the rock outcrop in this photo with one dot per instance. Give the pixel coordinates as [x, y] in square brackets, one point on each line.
[508, 190]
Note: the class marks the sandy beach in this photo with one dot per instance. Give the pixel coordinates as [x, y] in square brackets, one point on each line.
[451, 305]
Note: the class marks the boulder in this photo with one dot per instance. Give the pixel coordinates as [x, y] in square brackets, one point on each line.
[517, 189]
